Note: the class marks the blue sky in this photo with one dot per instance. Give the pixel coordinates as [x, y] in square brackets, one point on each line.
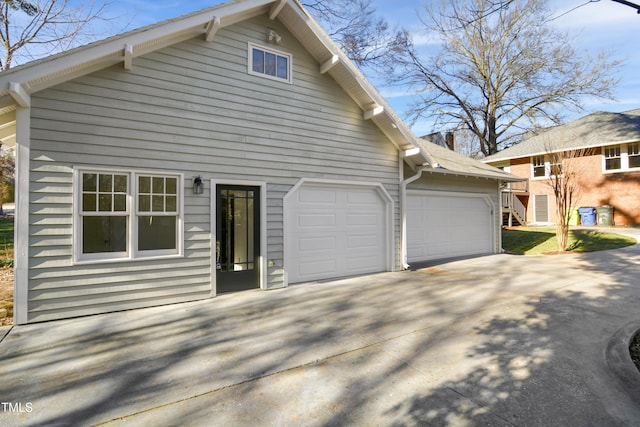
[597, 25]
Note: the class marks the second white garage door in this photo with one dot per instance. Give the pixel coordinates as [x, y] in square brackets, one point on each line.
[335, 231]
[446, 225]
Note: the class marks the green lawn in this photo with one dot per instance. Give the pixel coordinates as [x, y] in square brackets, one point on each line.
[6, 242]
[535, 241]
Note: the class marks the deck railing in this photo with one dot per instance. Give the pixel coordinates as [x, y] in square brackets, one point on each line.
[520, 186]
[512, 203]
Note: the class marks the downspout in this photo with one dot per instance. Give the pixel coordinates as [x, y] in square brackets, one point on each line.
[403, 212]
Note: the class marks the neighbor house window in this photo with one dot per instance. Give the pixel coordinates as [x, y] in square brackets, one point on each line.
[539, 167]
[127, 215]
[269, 63]
[612, 158]
[634, 155]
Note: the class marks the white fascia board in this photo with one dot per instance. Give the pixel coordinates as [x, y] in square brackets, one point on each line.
[80, 61]
[276, 9]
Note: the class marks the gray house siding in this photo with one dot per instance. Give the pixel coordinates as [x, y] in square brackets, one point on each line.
[193, 109]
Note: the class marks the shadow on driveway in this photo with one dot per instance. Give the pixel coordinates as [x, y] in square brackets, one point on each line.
[500, 340]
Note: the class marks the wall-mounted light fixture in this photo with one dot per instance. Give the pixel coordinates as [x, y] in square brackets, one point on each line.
[274, 37]
[198, 185]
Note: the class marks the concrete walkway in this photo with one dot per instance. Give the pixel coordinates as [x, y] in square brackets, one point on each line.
[498, 340]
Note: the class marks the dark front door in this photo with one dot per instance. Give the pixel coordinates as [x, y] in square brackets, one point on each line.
[238, 238]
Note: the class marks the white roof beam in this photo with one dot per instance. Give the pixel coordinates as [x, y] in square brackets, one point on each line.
[128, 57]
[368, 115]
[276, 9]
[19, 95]
[411, 152]
[212, 28]
[327, 65]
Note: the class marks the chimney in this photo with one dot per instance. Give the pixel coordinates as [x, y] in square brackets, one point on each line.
[448, 138]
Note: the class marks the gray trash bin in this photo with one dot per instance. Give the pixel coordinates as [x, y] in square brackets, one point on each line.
[605, 215]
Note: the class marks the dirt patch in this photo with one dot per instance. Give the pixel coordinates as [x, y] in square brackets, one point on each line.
[6, 295]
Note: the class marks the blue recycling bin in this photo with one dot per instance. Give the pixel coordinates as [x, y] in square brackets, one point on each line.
[587, 216]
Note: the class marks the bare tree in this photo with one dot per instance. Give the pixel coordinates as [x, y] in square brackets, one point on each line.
[563, 173]
[467, 144]
[354, 26]
[501, 68]
[30, 29]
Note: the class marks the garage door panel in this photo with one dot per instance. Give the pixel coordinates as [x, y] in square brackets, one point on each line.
[362, 219]
[362, 242]
[316, 196]
[307, 245]
[363, 264]
[316, 220]
[307, 270]
[342, 233]
[442, 226]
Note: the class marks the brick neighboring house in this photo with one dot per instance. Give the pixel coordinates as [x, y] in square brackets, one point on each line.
[608, 168]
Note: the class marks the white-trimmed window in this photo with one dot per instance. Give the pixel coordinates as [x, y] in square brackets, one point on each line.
[634, 155]
[270, 63]
[539, 167]
[621, 158]
[612, 158]
[546, 166]
[127, 215]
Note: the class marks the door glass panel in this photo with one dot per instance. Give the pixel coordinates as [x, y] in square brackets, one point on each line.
[237, 230]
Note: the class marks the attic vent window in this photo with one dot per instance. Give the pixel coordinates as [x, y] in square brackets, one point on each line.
[269, 63]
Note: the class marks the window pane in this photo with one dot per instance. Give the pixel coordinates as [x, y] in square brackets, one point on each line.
[144, 203]
[104, 202]
[156, 232]
[538, 171]
[157, 203]
[269, 64]
[172, 204]
[556, 169]
[89, 181]
[104, 234]
[144, 184]
[612, 164]
[172, 186]
[89, 202]
[105, 183]
[283, 68]
[120, 183]
[158, 185]
[119, 202]
[634, 161]
[258, 61]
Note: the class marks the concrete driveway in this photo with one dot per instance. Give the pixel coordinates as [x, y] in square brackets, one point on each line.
[497, 340]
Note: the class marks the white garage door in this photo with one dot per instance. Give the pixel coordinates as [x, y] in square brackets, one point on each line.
[334, 231]
[447, 225]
